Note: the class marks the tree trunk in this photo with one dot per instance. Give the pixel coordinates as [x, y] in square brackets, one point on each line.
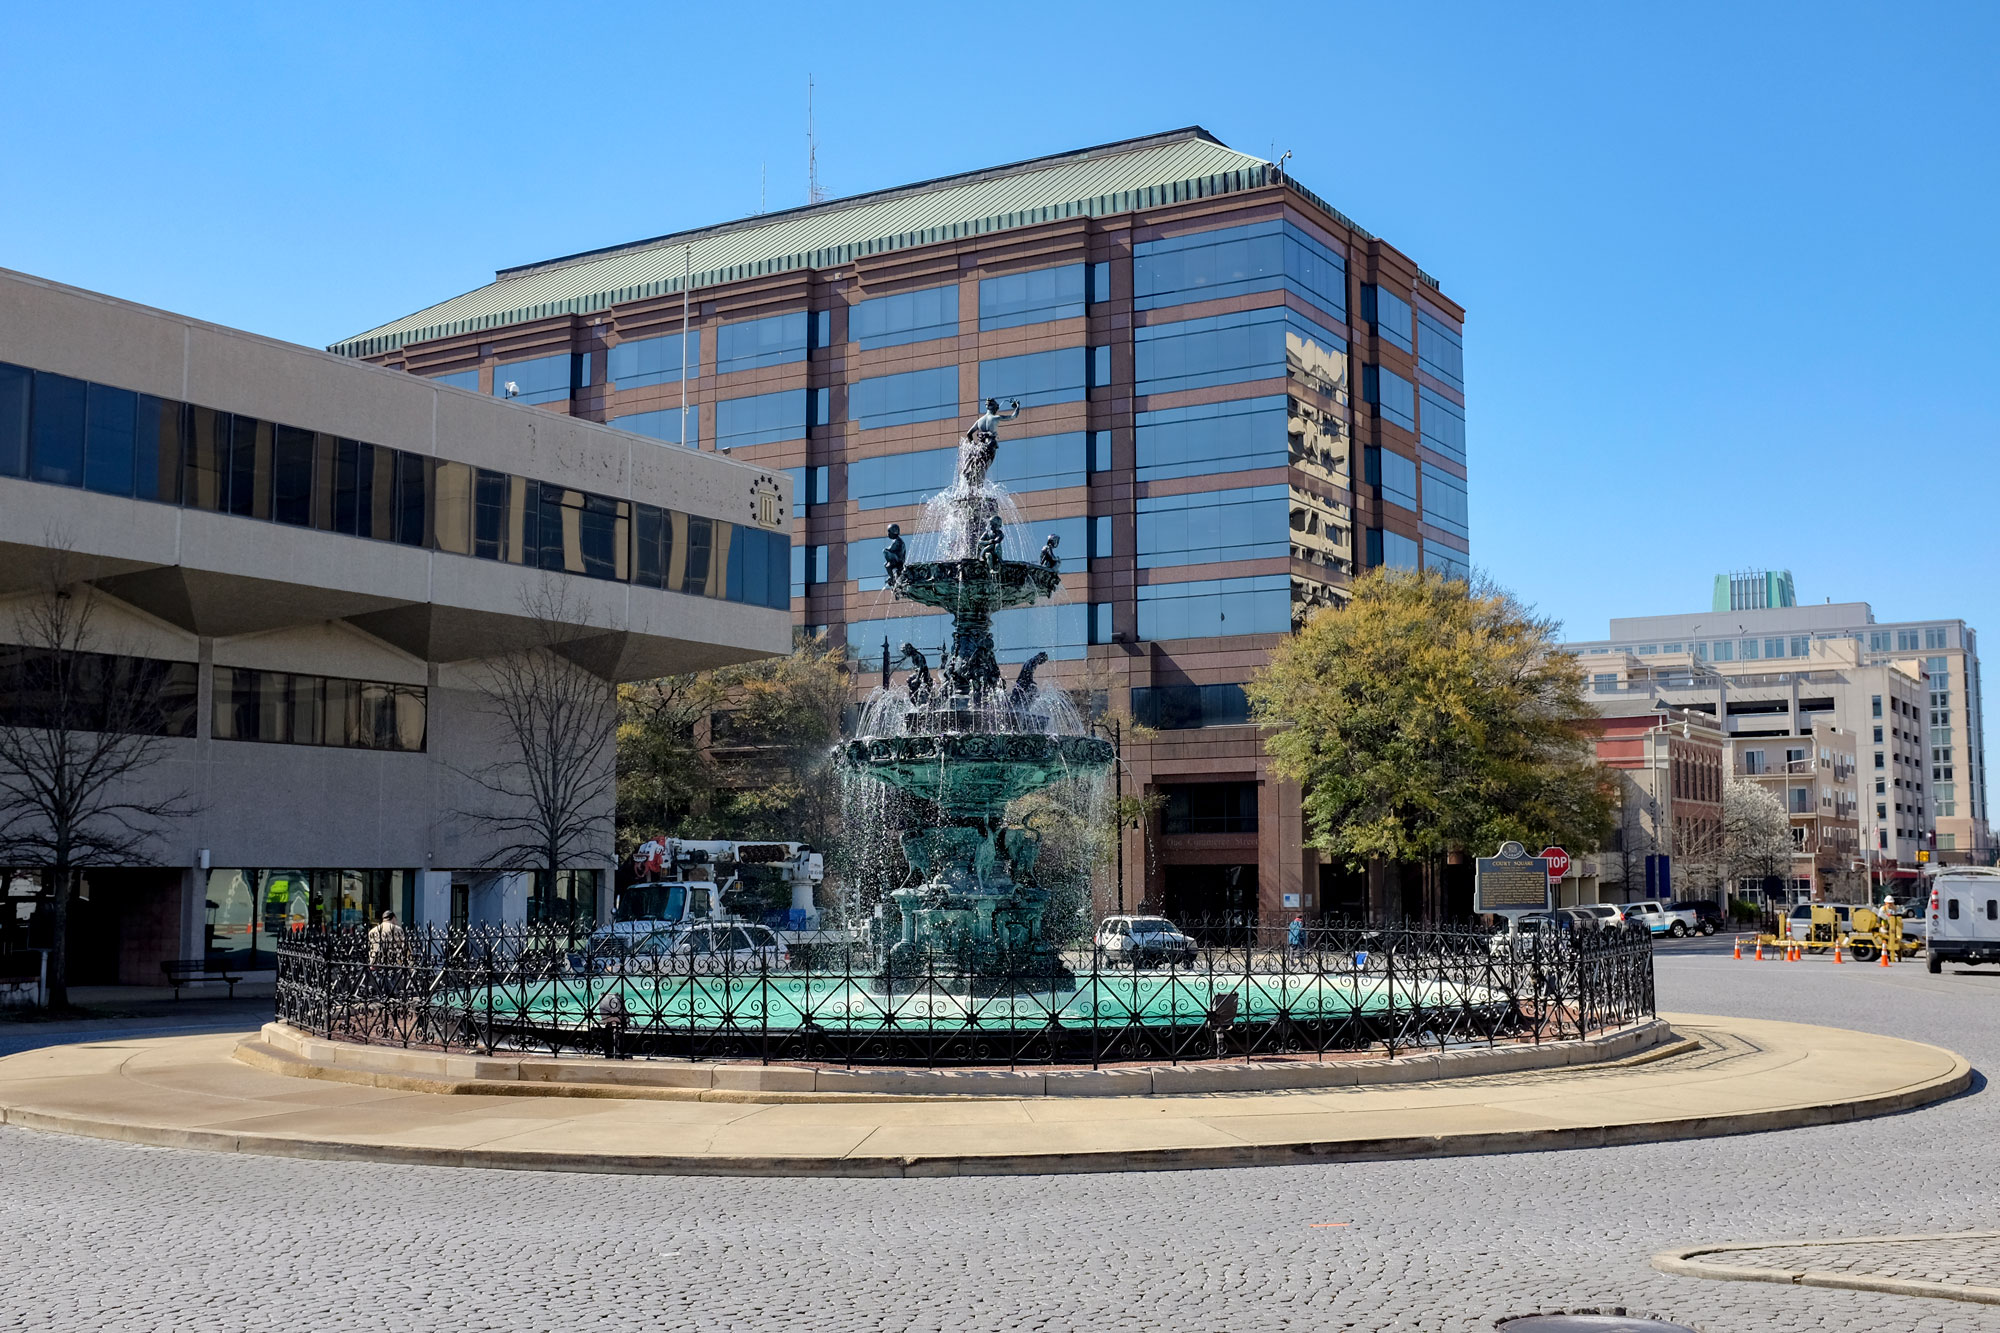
[58, 880]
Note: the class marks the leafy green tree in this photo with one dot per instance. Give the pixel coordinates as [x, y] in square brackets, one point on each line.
[1428, 716]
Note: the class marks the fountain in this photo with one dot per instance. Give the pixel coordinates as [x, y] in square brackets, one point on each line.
[964, 745]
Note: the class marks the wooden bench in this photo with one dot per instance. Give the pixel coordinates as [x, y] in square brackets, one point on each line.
[186, 971]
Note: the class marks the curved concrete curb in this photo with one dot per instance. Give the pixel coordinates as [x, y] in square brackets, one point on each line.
[1689, 1263]
[1750, 1075]
[280, 1049]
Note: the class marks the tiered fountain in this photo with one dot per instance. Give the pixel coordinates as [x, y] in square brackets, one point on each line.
[963, 744]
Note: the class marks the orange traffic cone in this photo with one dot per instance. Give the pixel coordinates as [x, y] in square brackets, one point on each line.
[1885, 958]
[1739, 947]
[1760, 950]
[1836, 952]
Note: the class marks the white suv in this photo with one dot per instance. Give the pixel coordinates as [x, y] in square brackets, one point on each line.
[1607, 914]
[1141, 941]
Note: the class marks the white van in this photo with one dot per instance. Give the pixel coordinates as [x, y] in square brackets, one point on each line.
[1964, 918]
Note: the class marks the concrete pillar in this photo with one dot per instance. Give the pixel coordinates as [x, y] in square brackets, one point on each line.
[433, 898]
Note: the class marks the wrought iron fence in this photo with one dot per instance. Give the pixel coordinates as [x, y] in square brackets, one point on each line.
[739, 993]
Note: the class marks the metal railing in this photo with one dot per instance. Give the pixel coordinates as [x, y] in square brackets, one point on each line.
[1251, 992]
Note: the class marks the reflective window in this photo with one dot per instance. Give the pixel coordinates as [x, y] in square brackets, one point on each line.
[543, 379]
[56, 452]
[1394, 397]
[1393, 549]
[294, 709]
[1394, 475]
[1452, 564]
[1227, 349]
[16, 393]
[156, 451]
[111, 417]
[771, 341]
[664, 425]
[1214, 437]
[899, 400]
[1210, 607]
[96, 692]
[1251, 523]
[1038, 463]
[1100, 283]
[1100, 451]
[1388, 312]
[292, 476]
[1443, 423]
[763, 418]
[1445, 506]
[1101, 630]
[249, 476]
[459, 379]
[1031, 298]
[1181, 707]
[1209, 807]
[1262, 256]
[643, 361]
[1440, 350]
[1100, 537]
[1038, 378]
[808, 488]
[906, 317]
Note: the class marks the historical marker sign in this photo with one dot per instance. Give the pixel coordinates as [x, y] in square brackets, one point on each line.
[1511, 882]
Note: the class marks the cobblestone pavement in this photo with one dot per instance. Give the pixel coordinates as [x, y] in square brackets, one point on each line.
[114, 1237]
[1954, 1261]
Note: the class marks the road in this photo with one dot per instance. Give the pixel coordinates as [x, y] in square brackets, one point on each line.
[111, 1237]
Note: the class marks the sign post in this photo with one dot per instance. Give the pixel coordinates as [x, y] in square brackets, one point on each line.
[1512, 883]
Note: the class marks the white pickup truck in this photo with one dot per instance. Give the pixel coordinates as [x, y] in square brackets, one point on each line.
[1664, 920]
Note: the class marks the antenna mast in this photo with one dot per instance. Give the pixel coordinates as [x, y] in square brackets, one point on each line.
[814, 195]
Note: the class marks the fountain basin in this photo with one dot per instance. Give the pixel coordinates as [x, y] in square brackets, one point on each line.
[974, 587]
[977, 771]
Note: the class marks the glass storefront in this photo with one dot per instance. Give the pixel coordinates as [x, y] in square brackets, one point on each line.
[248, 911]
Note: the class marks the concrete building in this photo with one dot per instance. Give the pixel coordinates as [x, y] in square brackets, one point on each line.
[316, 556]
[1908, 692]
[1234, 397]
[1670, 766]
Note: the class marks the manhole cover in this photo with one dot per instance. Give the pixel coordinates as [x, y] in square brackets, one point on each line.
[1592, 1322]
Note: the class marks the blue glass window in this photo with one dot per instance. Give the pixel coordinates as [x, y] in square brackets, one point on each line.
[662, 425]
[1440, 350]
[1394, 397]
[1214, 437]
[643, 361]
[459, 379]
[107, 447]
[808, 488]
[1259, 257]
[545, 379]
[1031, 298]
[1100, 367]
[1100, 451]
[1394, 475]
[1392, 549]
[1444, 501]
[1443, 423]
[759, 566]
[809, 566]
[1038, 463]
[772, 341]
[15, 395]
[1452, 564]
[1061, 630]
[1037, 379]
[1388, 312]
[1100, 622]
[1223, 349]
[906, 317]
[1100, 283]
[763, 418]
[1101, 537]
[1208, 608]
[57, 449]
[1182, 707]
[899, 400]
[1249, 523]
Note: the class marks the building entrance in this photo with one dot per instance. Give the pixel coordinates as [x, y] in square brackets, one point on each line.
[1214, 904]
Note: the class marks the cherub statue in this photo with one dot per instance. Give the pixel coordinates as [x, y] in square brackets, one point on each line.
[894, 554]
[920, 683]
[1050, 560]
[990, 544]
[1022, 692]
[982, 442]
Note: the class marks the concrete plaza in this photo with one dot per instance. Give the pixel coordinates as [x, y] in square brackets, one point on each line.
[121, 1237]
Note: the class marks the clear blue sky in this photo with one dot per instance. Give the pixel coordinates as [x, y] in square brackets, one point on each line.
[1729, 269]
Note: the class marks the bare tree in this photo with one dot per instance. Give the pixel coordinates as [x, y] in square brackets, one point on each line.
[79, 729]
[551, 791]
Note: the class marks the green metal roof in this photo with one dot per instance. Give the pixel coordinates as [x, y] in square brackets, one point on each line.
[1112, 178]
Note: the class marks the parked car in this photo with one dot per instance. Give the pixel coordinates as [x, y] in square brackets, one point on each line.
[1663, 920]
[1705, 911]
[709, 948]
[1964, 920]
[1603, 915]
[1532, 930]
[1144, 941]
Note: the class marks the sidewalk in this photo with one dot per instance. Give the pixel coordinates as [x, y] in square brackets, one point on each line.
[1960, 1266]
[1745, 1075]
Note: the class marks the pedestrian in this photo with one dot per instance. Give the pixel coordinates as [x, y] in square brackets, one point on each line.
[387, 950]
[1295, 935]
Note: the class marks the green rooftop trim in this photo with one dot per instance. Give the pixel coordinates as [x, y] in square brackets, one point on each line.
[1183, 147]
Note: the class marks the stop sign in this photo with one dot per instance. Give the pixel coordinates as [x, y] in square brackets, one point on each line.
[1558, 860]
